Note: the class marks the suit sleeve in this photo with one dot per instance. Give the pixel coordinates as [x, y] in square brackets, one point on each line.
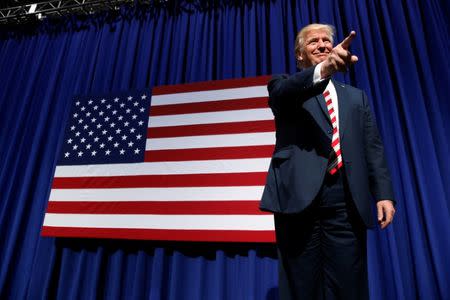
[286, 92]
[379, 176]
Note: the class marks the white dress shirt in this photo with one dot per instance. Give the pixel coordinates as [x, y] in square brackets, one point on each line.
[330, 87]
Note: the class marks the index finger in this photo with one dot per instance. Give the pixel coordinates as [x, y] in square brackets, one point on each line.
[348, 40]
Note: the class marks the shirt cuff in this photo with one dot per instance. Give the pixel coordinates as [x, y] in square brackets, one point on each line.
[316, 77]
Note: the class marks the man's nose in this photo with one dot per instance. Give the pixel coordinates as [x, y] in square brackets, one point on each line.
[321, 44]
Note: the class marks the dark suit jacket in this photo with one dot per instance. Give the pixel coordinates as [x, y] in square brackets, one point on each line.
[303, 146]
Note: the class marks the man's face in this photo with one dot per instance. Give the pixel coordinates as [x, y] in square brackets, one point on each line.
[316, 48]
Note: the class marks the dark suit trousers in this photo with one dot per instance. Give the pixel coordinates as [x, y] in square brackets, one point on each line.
[322, 250]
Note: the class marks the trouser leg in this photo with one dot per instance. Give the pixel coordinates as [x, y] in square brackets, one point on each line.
[298, 241]
[322, 251]
[343, 245]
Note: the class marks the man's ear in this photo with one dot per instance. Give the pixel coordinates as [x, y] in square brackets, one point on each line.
[299, 60]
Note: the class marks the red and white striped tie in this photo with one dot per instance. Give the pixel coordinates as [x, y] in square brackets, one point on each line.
[336, 164]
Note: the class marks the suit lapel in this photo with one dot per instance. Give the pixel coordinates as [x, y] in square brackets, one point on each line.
[318, 109]
[321, 101]
[344, 106]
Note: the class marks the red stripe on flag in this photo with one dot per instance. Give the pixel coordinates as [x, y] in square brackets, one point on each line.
[210, 106]
[156, 207]
[264, 236]
[210, 129]
[177, 180]
[210, 85]
[209, 153]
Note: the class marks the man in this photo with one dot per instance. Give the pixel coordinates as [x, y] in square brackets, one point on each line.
[328, 161]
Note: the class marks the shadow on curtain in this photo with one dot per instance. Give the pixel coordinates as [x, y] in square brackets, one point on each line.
[403, 65]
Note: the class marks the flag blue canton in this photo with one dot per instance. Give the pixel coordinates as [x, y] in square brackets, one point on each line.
[106, 129]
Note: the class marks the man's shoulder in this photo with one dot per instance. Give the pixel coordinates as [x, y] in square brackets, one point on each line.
[349, 88]
[300, 73]
[279, 76]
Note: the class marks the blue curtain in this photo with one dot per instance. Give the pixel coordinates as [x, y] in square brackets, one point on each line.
[403, 65]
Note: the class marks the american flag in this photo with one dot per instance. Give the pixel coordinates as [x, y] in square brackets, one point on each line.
[187, 163]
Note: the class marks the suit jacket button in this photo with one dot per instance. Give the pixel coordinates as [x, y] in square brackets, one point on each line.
[329, 131]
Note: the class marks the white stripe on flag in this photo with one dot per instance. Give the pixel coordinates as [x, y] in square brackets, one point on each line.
[211, 117]
[214, 95]
[211, 141]
[233, 193]
[186, 222]
[165, 168]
